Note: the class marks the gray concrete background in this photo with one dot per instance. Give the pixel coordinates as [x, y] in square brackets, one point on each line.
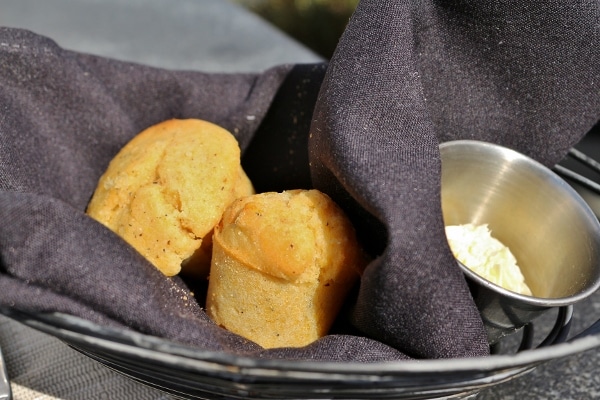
[206, 35]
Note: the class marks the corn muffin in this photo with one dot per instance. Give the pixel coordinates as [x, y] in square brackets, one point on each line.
[282, 266]
[167, 188]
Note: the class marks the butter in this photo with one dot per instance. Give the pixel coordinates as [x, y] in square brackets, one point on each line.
[474, 246]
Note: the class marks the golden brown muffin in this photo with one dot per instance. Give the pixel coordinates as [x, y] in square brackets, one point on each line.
[167, 188]
[282, 266]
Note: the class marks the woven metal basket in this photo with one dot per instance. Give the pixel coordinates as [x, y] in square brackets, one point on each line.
[192, 373]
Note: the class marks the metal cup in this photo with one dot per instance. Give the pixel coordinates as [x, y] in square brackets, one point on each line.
[549, 228]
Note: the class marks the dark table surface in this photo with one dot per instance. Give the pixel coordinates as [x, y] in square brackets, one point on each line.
[219, 36]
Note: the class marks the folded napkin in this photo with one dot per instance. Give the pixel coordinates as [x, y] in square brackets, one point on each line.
[364, 128]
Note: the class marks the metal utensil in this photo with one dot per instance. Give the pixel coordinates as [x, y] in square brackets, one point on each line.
[5, 391]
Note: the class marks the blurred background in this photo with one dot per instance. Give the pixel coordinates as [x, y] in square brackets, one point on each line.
[317, 24]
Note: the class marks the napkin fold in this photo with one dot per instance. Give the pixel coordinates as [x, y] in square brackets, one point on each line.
[364, 128]
[406, 76]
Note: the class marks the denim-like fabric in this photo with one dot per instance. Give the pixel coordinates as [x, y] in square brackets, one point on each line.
[364, 128]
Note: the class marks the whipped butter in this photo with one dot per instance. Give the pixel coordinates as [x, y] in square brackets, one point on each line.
[474, 246]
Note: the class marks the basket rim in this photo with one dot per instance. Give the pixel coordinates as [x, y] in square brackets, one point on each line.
[79, 332]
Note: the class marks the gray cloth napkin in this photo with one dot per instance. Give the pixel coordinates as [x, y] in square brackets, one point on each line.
[407, 76]
[364, 128]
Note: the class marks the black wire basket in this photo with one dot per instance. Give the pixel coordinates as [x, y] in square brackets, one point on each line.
[192, 373]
